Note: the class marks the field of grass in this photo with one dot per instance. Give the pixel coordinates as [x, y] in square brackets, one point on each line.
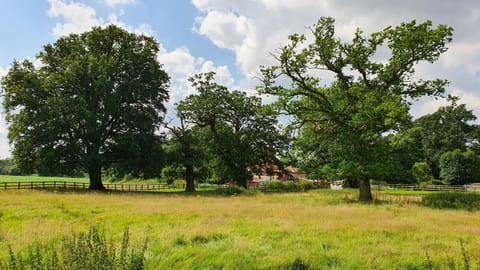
[34, 178]
[319, 229]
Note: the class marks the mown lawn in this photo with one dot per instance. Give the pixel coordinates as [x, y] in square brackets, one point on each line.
[35, 178]
[320, 230]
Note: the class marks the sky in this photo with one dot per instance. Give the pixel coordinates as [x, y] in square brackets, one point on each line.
[235, 37]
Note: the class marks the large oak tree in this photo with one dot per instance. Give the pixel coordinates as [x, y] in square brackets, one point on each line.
[87, 93]
[371, 92]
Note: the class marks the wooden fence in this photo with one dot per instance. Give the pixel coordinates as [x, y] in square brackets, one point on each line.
[423, 188]
[79, 185]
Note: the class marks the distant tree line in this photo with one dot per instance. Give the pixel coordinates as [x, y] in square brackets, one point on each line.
[96, 105]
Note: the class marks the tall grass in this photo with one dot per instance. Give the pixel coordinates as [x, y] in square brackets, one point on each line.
[309, 230]
[80, 251]
[450, 200]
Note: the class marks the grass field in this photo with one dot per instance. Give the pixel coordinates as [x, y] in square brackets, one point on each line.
[319, 229]
[34, 178]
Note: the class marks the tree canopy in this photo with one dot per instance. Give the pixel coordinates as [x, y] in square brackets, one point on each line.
[367, 98]
[88, 94]
[244, 133]
[450, 127]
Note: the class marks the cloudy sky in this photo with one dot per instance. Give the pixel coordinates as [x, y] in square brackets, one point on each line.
[235, 37]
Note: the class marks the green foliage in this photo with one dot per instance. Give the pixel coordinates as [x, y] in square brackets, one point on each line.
[91, 95]
[287, 186]
[461, 201]
[185, 148]
[348, 118]
[459, 168]
[273, 186]
[8, 167]
[179, 183]
[447, 129]
[79, 251]
[229, 191]
[172, 172]
[243, 133]
[421, 171]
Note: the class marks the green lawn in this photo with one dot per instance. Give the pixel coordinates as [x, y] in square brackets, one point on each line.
[322, 229]
[35, 178]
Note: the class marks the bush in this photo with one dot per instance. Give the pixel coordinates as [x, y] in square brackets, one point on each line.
[461, 201]
[229, 191]
[179, 183]
[273, 186]
[78, 251]
[277, 186]
[172, 172]
[422, 172]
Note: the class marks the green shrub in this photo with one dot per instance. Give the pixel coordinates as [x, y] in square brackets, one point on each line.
[287, 186]
[229, 191]
[78, 251]
[273, 186]
[437, 182]
[462, 201]
[304, 185]
[172, 172]
[421, 172]
[180, 183]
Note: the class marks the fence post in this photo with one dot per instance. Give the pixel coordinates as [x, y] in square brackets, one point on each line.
[18, 185]
[64, 184]
[5, 185]
[31, 184]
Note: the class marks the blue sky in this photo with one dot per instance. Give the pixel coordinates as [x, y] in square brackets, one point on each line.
[234, 37]
[26, 26]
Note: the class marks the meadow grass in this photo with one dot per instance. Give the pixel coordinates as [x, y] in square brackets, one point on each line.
[36, 178]
[314, 230]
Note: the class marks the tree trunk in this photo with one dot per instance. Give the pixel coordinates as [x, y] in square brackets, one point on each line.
[95, 175]
[189, 179]
[365, 191]
[242, 182]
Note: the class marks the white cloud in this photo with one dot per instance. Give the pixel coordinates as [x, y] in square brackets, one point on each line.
[180, 64]
[226, 30]
[253, 30]
[78, 18]
[463, 55]
[3, 72]
[4, 145]
[114, 3]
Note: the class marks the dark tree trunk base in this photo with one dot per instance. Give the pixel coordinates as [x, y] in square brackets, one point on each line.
[95, 175]
[365, 191]
[101, 187]
[189, 179]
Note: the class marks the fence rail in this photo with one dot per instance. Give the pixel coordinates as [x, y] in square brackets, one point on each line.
[79, 185]
[163, 186]
[424, 188]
